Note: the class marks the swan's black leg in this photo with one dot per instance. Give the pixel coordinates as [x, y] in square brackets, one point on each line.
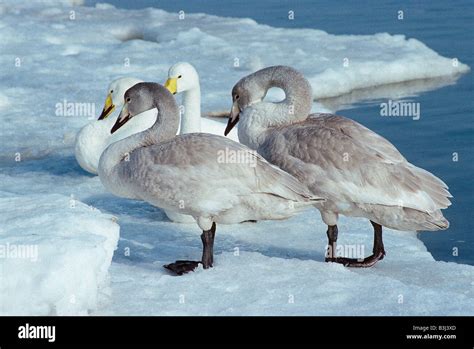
[182, 267]
[207, 238]
[378, 241]
[332, 239]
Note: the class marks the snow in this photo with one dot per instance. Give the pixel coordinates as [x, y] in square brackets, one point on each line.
[68, 250]
[261, 268]
[269, 269]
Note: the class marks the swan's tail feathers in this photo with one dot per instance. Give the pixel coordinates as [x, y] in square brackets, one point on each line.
[425, 221]
[290, 188]
[406, 218]
[309, 202]
[306, 202]
[436, 221]
[433, 186]
[273, 180]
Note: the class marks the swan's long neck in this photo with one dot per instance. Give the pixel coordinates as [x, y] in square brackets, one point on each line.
[191, 119]
[164, 128]
[298, 94]
[261, 116]
[118, 152]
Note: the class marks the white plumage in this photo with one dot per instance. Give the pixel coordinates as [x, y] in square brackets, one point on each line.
[94, 137]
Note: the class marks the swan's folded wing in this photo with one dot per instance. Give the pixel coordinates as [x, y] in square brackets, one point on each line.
[361, 134]
[347, 161]
[212, 168]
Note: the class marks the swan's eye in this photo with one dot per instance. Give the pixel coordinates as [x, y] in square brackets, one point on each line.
[180, 76]
[111, 91]
[128, 99]
[237, 97]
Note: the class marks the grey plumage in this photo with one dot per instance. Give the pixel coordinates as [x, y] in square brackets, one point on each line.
[187, 173]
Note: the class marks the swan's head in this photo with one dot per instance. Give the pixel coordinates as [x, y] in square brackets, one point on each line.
[145, 96]
[182, 77]
[115, 95]
[245, 93]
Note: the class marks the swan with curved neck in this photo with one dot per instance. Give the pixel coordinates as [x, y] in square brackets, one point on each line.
[358, 171]
[93, 138]
[183, 78]
[187, 173]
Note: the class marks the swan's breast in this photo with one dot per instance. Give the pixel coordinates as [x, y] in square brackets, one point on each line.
[91, 141]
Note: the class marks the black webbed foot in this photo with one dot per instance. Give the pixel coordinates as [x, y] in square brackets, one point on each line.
[182, 267]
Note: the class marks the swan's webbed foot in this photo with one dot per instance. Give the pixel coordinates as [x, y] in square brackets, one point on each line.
[378, 249]
[358, 263]
[182, 267]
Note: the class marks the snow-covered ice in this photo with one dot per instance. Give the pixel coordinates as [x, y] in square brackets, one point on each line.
[52, 56]
[279, 269]
[55, 254]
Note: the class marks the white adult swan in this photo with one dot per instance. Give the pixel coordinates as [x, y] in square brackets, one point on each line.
[192, 174]
[94, 137]
[183, 78]
[359, 172]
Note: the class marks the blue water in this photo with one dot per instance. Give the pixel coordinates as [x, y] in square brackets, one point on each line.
[446, 125]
